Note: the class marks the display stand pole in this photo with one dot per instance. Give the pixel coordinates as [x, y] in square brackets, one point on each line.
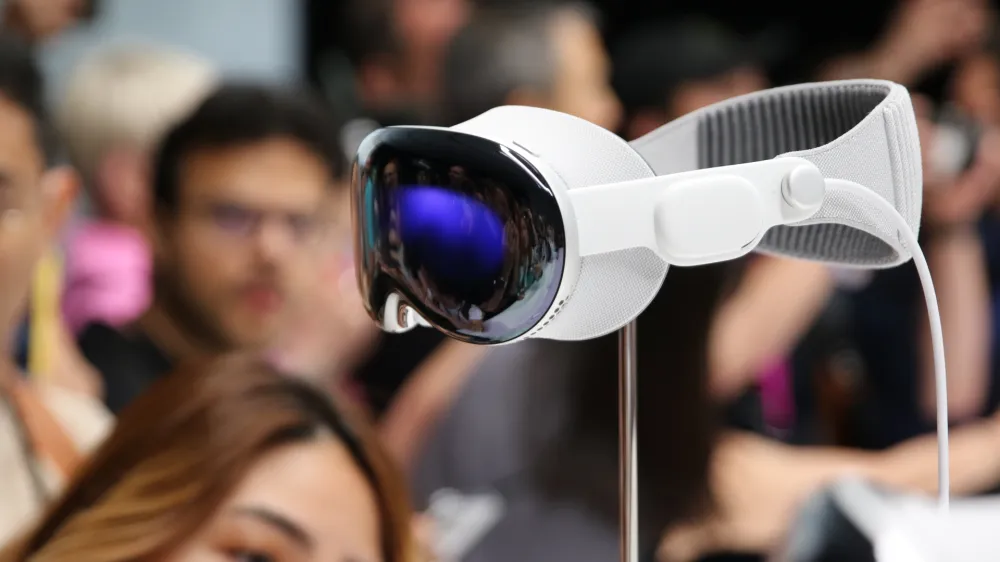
[627, 456]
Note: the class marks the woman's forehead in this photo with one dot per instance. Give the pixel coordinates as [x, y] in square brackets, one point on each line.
[318, 486]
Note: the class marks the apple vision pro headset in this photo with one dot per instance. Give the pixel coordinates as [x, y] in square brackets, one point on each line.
[529, 223]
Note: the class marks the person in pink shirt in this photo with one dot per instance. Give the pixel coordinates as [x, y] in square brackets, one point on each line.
[117, 105]
[107, 277]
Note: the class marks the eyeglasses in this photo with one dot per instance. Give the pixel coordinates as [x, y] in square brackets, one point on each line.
[238, 222]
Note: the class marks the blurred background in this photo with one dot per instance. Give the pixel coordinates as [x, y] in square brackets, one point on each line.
[762, 381]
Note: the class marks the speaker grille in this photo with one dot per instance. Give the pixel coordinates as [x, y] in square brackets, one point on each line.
[623, 282]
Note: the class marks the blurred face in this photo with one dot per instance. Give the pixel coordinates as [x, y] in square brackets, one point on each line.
[122, 178]
[582, 84]
[425, 27]
[44, 18]
[331, 330]
[429, 24]
[26, 218]
[697, 94]
[250, 228]
[300, 503]
[976, 88]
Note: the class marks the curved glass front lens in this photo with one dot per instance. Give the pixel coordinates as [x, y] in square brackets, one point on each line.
[465, 231]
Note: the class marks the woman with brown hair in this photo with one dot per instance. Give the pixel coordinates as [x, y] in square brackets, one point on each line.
[227, 460]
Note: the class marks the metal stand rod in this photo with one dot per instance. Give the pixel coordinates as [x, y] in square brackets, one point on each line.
[627, 456]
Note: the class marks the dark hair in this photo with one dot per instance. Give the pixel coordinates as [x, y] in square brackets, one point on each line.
[503, 48]
[371, 31]
[652, 61]
[237, 115]
[676, 418]
[21, 82]
[179, 451]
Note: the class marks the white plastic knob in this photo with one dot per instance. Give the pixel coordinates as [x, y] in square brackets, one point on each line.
[804, 188]
[397, 316]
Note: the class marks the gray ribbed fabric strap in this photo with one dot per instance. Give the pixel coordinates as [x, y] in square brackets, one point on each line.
[763, 127]
[858, 130]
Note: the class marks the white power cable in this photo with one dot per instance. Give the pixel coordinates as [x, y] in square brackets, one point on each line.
[909, 240]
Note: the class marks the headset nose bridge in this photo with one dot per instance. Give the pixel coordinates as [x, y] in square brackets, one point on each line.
[399, 317]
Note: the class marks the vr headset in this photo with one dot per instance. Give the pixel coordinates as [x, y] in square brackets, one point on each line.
[529, 223]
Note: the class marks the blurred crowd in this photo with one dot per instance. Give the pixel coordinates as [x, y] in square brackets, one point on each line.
[192, 374]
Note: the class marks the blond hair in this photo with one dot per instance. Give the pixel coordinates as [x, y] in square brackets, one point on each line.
[128, 97]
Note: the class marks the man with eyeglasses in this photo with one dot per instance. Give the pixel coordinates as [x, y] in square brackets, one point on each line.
[243, 199]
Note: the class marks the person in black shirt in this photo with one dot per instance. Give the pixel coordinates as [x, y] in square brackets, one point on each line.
[242, 200]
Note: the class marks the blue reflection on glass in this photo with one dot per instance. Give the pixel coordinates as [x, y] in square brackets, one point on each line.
[457, 236]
